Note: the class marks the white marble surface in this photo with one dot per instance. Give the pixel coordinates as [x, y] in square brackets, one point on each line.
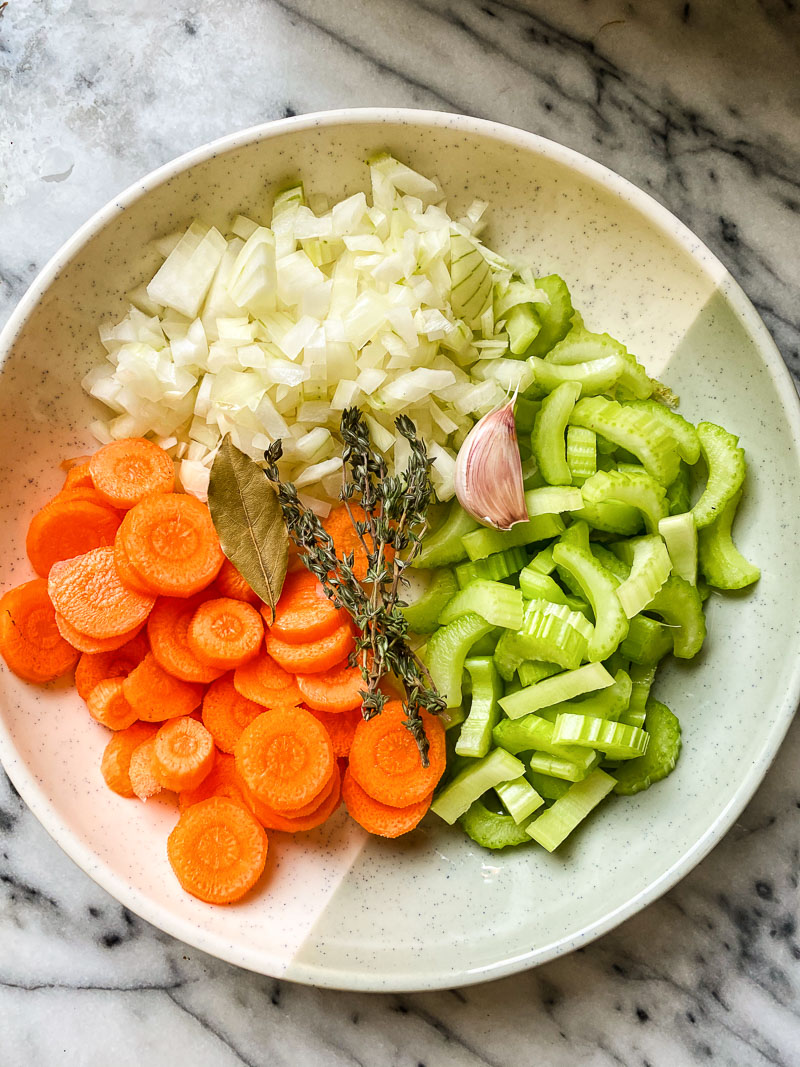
[696, 102]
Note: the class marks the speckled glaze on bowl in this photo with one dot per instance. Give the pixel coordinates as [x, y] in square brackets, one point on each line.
[431, 910]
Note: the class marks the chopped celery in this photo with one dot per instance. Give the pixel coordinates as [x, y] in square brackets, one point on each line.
[525, 414]
[446, 651]
[610, 516]
[581, 453]
[481, 775]
[558, 821]
[634, 429]
[538, 586]
[543, 561]
[522, 326]
[480, 543]
[552, 633]
[532, 671]
[548, 442]
[550, 500]
[661, 755]
[642, 678]
[476, 733]
[612, 563]
[683, 434]
[533, 733]
[422, 615]
[680, 536]
[726, 471]
[519, 798]
[650, 567]
[554, 690]
[546, 785]
[679, 495]
[599, 587]
[508, 654]
[555, 317]
[635, 490]
[582, 346]
[679, 604]
[445, 544]
[499, 604]
[563, 769]
[615, 739]
[609, 703]
[491, 830]
[594, 376]
[648, 641]
[721, 562]
[495, 567]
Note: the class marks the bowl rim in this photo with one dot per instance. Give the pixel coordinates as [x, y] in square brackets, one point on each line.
[259, 961]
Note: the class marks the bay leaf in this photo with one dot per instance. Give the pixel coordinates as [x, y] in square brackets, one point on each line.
[249, 522]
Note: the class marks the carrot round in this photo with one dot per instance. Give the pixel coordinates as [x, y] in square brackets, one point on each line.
[276, 820]
[167, 630]
[378, 818]
[345, 539]
[95, 645]
[226, 713]
[232, 584]
[341, 727]
[108, 706]
[183, 754]
[126, 471]
[96, 667]
[64, 529]
[116, 762]
[156, 695]
[88, 593]
[129, 578]
[222, 781]
[315, 656]
[285, 757]
[30, 641]
[142, 770]
[385, 760]
[225, 633]
[87, 494]
[262, 680]
[171, 544]
[303, 612]
[336, 690]
[218, 850]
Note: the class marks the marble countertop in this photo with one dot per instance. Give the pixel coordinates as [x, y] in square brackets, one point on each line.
[696, 102]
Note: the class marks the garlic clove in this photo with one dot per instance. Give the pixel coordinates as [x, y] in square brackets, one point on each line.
[488, 475]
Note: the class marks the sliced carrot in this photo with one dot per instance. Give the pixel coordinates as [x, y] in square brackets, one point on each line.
[88, 593]
[183, 754]
[385, 760]
[30, 641]
[95, 667]
[377, 818]
[87, 494]
[316, 656]
[156, 695]
[341, 728]
[222, 781]
[64, 529]
[217, 850]
[225, 633]
[303, 612]
[345, 539]
[78, 474]
[116, 762]
[275, 820]
[338, 689]
[142, 770]
[263, 681]
[285, 757]
[126, 471]
[127, 575]
[108, 706]
[94, 645]
[231, 583]
[167, 628]
[171, 544]
[226, 713]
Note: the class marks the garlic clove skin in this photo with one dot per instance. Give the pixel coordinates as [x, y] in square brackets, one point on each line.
[488, 475]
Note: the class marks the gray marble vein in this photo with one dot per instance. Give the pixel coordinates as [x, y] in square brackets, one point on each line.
[697, 102]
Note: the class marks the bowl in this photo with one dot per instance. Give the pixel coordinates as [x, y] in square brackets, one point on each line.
[339, 908]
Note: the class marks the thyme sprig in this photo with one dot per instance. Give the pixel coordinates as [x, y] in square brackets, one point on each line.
[395, 517]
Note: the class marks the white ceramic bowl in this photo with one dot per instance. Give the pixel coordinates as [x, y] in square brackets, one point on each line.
[432, 910]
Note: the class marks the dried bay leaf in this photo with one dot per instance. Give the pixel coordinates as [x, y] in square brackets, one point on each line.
[249, 522]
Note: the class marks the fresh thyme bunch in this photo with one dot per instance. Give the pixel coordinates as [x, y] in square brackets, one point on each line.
[395, 509]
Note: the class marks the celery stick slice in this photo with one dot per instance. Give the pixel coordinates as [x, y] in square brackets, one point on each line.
[446, 651]
[456, 797]
[721, 562]
[594, 376]
[650, 567]
[508, 654]
[546, 785]
[599, 587]
[533, 733]
[538, 586]
[445, 544]
[495, 567]
[684, 435]
[581, 453]
[680, 536]
[679, 496]
[475, 738]
[635, 490]
[648, 641]
[642, 678]
[553, 690]
[615, 739]
[609, 703]
[726, 471]
[532, 671]
[679, 604]
[548, 442]
[661, 755]
[422, 615]
[499, 604]
[634, 429]
[480, 543]
[560, 768]
[615, 566]
[555, 317]
[543, 561]
[519, 798]
[554, 825]
[610, 516]
[552, 499]
[491, 830]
